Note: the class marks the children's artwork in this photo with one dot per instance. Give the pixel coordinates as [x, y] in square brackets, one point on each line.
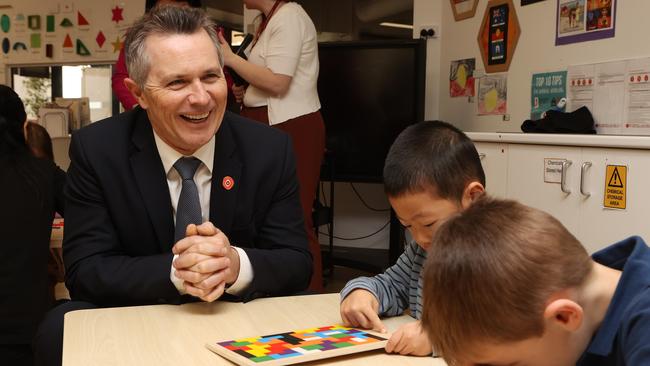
[584, 20]
[548, 92]
[6, 45]
[82, 50]
[498, 35]
[100, 39]
[81, 20]
[298, 346]
[34, 22]
[493, 94]
[117, 14]
[117, 45]
[463, 9]
[5, 23]
[461, 78]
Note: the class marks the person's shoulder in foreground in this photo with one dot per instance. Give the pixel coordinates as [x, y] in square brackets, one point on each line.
[507, 284]
[432, 171]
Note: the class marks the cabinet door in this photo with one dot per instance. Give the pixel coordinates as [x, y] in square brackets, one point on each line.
[494, 158]
[600, 226]
[526, 181]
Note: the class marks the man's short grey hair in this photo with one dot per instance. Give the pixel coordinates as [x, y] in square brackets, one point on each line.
[164, 20]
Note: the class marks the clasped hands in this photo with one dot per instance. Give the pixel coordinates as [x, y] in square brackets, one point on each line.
[206, 262]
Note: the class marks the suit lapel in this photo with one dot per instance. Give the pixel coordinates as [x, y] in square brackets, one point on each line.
[227, 167]
[152, 182]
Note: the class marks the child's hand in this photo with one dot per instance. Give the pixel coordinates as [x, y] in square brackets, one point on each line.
[409, 339]
[359, 309]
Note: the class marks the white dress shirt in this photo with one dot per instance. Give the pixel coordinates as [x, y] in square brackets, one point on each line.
[203, 181]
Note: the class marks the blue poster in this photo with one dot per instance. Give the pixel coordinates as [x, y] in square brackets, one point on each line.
[548, 91]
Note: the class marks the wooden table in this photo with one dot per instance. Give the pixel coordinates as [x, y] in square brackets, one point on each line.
[176, 335]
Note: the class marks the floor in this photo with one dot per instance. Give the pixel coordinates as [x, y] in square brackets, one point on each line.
[340, 276]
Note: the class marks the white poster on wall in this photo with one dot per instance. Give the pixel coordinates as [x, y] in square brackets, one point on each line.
[616, 93]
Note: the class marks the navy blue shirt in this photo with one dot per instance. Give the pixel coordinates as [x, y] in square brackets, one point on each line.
[624, 335]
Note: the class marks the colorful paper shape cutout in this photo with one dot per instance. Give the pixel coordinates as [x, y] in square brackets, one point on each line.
[81, 20]
[67, 43]
[82, 50]
[67, 23]
[5, 23]
[49, 24]
[100, 39]
[19, 46]
[35, 40]
[117, 14]
[20, 17]
[34, 22]
[117, 45]
[49, 50]
[6, 45]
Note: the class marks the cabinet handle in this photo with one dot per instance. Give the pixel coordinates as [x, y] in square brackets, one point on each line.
[481, 156]
[586, 165]
[565, 166]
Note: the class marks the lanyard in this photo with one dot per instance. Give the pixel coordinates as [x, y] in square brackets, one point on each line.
[265, 22]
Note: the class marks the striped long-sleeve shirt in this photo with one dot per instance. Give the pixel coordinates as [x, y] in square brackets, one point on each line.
[399, 287]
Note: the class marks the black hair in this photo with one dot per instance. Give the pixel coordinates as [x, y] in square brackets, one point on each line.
[432, 155]
[15, 156]
[149, 4]
[12, 118]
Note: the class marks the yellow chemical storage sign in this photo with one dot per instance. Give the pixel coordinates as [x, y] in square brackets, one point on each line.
[615, 186]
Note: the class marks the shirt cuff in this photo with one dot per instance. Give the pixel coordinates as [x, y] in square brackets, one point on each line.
[245, 276]
[178, 283]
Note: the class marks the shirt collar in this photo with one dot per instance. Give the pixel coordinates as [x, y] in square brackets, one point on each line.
[169, 156]
[632, 256]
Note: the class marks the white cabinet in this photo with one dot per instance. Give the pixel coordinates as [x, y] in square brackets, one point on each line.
[518, 172]
[493, 158]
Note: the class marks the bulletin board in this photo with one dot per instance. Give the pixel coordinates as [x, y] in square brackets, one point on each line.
[63, 32]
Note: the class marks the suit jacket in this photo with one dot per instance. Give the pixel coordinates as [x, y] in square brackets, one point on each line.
[119, 221]
[31, 190]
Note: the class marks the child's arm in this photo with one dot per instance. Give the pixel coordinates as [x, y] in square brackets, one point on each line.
[359, 309]
[391, 288]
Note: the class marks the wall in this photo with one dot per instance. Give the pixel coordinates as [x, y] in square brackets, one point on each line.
[98, 14]
[535, 52]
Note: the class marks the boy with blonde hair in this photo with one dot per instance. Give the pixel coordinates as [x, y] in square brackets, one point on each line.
[507, 284]
[432, 171]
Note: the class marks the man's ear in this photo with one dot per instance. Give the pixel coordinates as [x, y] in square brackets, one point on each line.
[137, 92]
[564, 313]
[472, 191]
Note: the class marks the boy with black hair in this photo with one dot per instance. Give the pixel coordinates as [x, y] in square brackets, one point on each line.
[432, 171]
[507, 284]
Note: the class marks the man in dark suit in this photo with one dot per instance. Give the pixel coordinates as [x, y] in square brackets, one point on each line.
[127, 241]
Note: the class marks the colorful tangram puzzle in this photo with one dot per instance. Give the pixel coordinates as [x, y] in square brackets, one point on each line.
[298, 346]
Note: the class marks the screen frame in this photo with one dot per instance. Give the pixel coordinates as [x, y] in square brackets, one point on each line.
[329, 171]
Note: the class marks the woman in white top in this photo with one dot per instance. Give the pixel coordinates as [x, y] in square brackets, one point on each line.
[282, 71]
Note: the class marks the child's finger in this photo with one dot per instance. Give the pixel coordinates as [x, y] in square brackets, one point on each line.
[375, 322]
[393, 341]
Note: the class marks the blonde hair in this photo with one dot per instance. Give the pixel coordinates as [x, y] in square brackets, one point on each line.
[490, 271]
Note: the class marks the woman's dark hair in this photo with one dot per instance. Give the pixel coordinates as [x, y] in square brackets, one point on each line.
[149, 4]
[12, 118]
[39, 141]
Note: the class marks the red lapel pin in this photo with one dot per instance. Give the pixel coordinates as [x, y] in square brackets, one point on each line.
[227, 183]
